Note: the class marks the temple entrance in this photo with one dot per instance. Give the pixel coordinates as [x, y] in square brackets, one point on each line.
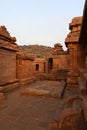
[37, 67]
[50, 64]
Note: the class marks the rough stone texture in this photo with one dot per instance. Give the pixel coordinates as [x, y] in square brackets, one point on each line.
[8, 49]
[39, 65]
[70, 99]
[20, 112]
[60, 57]
[50, 67]
[2, 96]
[61, 62]
[24, 68]
[69, 117]
[45, 88]
[58, 75]
[57, 49]
[75, 27]
[82, 81]
[74, 52]
[26, 113]
[84, 105]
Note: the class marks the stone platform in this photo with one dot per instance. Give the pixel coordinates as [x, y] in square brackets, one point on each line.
[45, 88]
[18, 112]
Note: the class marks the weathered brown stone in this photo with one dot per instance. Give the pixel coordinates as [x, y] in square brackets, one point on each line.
[2, 96]
[57, 49]
[71, 99]
[21, 68]
[25, 68]
[8, 49]
[50, 90]
[72, 43]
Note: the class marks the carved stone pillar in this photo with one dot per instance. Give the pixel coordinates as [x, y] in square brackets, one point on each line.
[71, 42]
[73, 71]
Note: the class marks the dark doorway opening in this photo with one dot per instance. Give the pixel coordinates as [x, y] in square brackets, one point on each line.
[37, 67]
[50, 64]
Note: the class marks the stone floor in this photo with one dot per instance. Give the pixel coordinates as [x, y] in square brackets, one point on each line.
[45, 88]
[20, 112]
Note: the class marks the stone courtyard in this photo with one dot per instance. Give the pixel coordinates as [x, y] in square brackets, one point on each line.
[25, 112]
[30, 112]
[45, 88]
[45, 93]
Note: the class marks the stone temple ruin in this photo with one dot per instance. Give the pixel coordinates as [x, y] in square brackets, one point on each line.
[68, 69]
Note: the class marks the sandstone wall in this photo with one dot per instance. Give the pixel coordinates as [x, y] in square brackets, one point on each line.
[39, 65]
[61, 62]
[7, 66]
[24, 68]
[8, 49]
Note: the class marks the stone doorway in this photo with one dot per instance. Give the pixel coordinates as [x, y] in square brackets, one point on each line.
[50, 64]
[37, 67]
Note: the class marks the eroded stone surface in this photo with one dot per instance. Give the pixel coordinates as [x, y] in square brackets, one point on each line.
[45, 88]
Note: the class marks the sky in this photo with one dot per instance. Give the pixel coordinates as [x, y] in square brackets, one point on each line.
[42, 22]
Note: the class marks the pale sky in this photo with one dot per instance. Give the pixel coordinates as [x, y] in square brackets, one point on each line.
[42, 22]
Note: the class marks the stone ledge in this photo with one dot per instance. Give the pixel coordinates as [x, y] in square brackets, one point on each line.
[32, 91]
[9, 82]
[48, 91]
[26, 81]
[9, 87]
